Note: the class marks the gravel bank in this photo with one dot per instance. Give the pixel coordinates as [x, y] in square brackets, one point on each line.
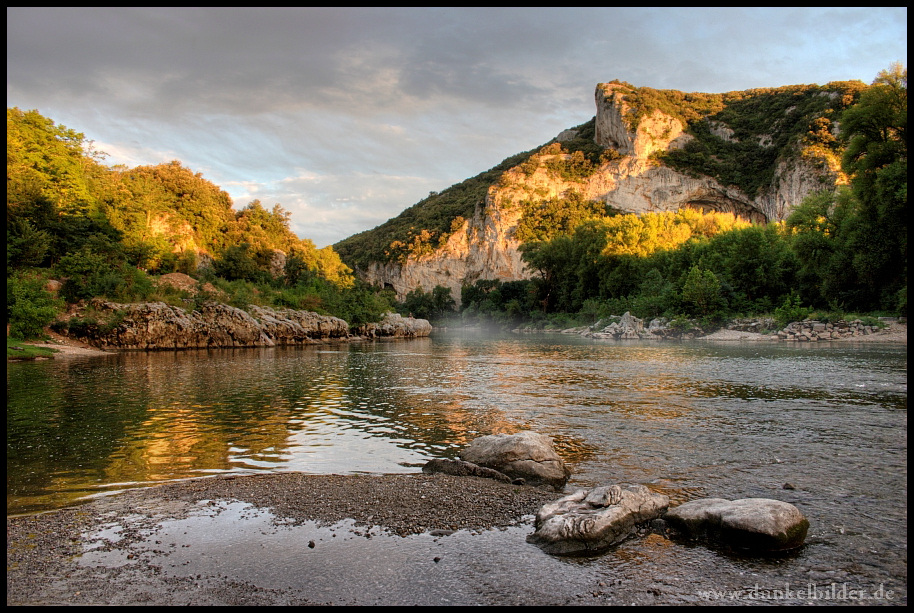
[400, 504]
[44, 551]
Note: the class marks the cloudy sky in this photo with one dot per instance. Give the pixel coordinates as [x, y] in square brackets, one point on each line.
[347, 116]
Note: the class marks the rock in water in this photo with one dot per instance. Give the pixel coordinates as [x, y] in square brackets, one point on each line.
[525, 455]
[592, 520]
[760, 524]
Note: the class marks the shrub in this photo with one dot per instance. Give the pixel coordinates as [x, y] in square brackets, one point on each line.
[790, 311]
[702, 289]
[30, 307]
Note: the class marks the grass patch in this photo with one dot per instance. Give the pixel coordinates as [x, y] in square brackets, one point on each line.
[17, 349]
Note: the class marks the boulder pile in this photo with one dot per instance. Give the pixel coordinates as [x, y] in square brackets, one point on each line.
[660, 328]
[394, 324]
[811, 330]
[594, 519]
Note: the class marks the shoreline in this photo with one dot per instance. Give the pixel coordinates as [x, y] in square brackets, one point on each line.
[894, 333]
[291, 539]
[66, 347]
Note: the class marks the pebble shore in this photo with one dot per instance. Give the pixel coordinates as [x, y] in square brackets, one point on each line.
[43, 550]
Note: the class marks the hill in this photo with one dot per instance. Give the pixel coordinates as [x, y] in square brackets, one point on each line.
[114, 232]
[755, 154]
[62, 200]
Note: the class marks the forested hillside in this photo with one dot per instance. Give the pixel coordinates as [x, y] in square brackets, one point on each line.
[842, 249]
[111, 231]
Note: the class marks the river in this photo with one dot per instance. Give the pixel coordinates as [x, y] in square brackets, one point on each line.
[690, 420]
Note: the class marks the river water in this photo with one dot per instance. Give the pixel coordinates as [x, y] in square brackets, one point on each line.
[690, 420]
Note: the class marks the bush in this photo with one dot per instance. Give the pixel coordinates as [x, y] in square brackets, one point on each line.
[30, 307]
[790, 311]
[702, 289]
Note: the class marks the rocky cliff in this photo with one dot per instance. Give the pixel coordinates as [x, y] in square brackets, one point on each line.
[156, 325]
[638, 183]
[633, 179]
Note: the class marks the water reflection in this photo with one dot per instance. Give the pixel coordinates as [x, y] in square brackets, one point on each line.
[685, 419]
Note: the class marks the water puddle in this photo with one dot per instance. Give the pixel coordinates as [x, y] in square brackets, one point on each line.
[340, 563]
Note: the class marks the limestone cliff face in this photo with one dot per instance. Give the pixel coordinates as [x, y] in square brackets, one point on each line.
[637, 184]
[486, 247]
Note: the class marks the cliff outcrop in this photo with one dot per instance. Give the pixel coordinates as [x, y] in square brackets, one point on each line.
[157, 325]
[640, 182]
[634, 178]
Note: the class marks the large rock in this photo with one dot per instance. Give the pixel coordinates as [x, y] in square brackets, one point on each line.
[290, 327]
[749, 523]
[525, 455]
[628, 327]
[592, 520]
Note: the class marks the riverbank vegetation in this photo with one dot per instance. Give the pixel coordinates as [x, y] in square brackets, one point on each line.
[111, 232]
[17, 350]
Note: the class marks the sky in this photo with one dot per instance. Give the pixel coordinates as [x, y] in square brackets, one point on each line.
[347, 116]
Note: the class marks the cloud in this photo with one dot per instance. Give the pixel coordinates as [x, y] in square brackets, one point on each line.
[347, 116]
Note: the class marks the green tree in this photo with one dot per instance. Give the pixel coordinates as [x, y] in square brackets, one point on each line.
[852, 244]
[702, 290]
[429, 305]
[877, 160]
[46, 160]
[237, 264]
[25, 245]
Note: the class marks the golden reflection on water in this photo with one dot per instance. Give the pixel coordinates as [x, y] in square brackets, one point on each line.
[641, 414]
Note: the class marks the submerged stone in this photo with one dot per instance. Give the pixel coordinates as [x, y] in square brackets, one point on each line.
[459, 468]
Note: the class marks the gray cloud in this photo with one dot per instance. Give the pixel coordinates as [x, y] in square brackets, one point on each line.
[377, 106]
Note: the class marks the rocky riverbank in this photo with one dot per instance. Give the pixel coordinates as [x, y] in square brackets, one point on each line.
[396, 326]
[157, 325]
[628, 327]
[409, 539]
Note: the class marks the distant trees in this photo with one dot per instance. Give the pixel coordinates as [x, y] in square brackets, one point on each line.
[551, 217]
[432, 305]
